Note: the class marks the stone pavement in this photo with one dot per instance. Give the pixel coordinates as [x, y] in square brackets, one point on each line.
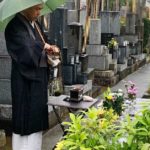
[140, 78]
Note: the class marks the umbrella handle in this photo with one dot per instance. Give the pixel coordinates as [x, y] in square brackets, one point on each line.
[39, 31]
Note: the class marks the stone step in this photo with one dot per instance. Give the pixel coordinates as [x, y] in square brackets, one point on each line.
[105, 74]
[102, 81]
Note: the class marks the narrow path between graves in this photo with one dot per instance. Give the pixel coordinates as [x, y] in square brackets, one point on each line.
[141, 78]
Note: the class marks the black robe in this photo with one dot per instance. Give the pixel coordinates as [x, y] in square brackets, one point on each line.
[29, 80]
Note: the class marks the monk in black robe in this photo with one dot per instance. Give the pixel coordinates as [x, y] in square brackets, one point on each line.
[29, 75]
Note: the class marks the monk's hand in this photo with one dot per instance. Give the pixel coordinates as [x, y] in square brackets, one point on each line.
[55, 49]
[51, 49]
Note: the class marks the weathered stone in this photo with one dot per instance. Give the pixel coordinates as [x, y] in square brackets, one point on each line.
[113, 67]
[81, 78]
[131, 22]
[121, 54]
[129, 61]
[72, 16]
[95, 31]
[121, 67]
[115, 53]
[69, 74]
[97, 50]
[70, 5]
[105, 74]
[106, 81]
[84, 59]
[2, 138]
[130, 38]
[5, 112]
[75, 33]
[5, 91]
[133, 50]
[94, 50]
[90, 73]
[110, 22]
[5, 67]
[99, 62]
[127, 51]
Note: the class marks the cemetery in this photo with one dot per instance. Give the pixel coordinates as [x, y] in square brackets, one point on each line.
[101, 42]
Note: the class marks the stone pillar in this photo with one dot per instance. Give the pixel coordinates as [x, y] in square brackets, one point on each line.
[95, 31]
[130, 23]
[72, 16]
[70, 4]
[58, 33]
[74, 42]
[110, 22]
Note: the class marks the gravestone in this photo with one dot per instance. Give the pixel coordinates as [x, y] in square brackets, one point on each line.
[70, 4]
[99, 62]
[94, 50]
[110, 22]
[97, 50]
[69, 74]
[129, 38]
[121, 54]
[72, 16]
[58, 32]
[95, 31]
[130, 23]
[74, 42]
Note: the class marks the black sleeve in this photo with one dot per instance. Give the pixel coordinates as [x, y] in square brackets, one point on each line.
[22, 47]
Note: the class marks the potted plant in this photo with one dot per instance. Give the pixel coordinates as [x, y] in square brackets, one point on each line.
[113, 100]
[98, 131]
[131, 90]
[89, 133]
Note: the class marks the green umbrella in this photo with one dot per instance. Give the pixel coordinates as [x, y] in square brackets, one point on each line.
[8, 8]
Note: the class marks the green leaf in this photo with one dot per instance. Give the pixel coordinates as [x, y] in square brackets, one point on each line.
[146, 146]
[130, 140]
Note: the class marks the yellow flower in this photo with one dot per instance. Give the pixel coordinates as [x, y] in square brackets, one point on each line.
[101, 112]
[109, 97]
[115, 43]
[59, 145]
[103, 123]
[115, 117]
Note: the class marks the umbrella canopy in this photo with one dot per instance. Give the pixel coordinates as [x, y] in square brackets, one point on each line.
[8, 8]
